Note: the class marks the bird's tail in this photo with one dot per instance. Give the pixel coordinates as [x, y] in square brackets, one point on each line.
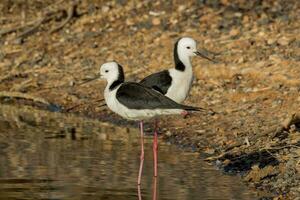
[199, 109]
[192, 108]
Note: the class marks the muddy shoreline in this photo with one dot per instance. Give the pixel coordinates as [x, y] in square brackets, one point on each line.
[257, 166]
[48, 49]
[70, 141]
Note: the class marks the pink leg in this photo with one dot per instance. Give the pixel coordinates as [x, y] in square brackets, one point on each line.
[185, 114]
[154, 191]
[142, 153]
[139, 192]
[155, 148]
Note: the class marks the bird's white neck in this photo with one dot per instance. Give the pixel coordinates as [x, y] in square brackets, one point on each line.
[113, 83]
[186, 61]
[110, 82]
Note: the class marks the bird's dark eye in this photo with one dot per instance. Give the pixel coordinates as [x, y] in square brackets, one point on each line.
[106, 71]
[188, 47]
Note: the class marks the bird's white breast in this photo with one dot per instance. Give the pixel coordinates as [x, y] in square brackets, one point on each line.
[113, 103]
[181, 84]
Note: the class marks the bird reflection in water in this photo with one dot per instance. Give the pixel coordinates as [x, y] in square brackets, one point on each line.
[154, 190]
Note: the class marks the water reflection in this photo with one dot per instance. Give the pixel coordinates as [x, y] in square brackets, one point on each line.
[154, 193]
[50, 156]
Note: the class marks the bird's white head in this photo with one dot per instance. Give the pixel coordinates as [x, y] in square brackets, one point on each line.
[186, 47]
[112, 71]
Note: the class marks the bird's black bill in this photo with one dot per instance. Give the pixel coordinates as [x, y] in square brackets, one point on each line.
[89, 80]
[103, 105]
[198, 53]
[100, 100]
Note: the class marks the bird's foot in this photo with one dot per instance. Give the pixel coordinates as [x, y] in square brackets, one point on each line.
[185, 114]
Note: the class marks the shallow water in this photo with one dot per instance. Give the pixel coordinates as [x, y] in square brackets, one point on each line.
[53, 156]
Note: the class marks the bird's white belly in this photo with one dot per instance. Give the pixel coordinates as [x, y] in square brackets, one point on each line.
[113, 103]
[134, 114]
[181, 84]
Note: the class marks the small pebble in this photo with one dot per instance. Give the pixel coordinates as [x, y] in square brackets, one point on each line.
[156, 21]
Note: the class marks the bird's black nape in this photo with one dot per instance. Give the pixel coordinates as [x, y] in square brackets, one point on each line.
[178, 64]
[120, 79]
[121, 73]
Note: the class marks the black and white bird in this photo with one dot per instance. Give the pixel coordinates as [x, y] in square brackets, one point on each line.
[134, 101]
[176, 83]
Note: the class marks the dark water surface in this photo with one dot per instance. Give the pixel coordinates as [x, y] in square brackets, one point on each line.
[53, 156]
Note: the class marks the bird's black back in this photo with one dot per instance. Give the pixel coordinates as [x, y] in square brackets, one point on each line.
[160, 81]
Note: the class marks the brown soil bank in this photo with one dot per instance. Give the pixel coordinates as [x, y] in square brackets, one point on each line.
[48, 48]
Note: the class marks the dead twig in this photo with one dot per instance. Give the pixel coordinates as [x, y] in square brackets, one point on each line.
[23, 85]
[212, 158]
[293, 145]
[13, 75]
[19, 95]
[32, 29]
[71, 11]
[48, 15]
[13, 29]
[82, 104]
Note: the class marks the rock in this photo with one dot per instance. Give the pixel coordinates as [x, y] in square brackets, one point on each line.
[155, 14]
[181, 8]
[240, 60]
[262, 34]
[209, 151]
[71, 83]
[129, 22]
[105, 9]
[226, 162]
[271, 41]
[225, 2]
[245, 19]
[260, 64]
[275, 58]
[201, 131]
[168, 133]
[234, 32]
[156, 21]
[102, 136]
[284, 41]
[238, 14]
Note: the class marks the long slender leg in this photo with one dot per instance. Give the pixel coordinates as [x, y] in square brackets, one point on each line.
[155, 148]
[142, 152]
[139, 192]
[154, 191]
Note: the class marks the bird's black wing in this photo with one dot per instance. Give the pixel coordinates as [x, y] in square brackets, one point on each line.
[136, 96]
[160, 81]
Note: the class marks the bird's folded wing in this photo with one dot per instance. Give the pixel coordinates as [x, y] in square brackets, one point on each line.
[136, 96]
[160, 81]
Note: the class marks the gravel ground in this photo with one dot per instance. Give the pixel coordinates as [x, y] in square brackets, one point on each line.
[48, 48]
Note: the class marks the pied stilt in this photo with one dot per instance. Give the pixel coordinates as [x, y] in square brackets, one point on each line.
[134, 101]
[176, 83]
